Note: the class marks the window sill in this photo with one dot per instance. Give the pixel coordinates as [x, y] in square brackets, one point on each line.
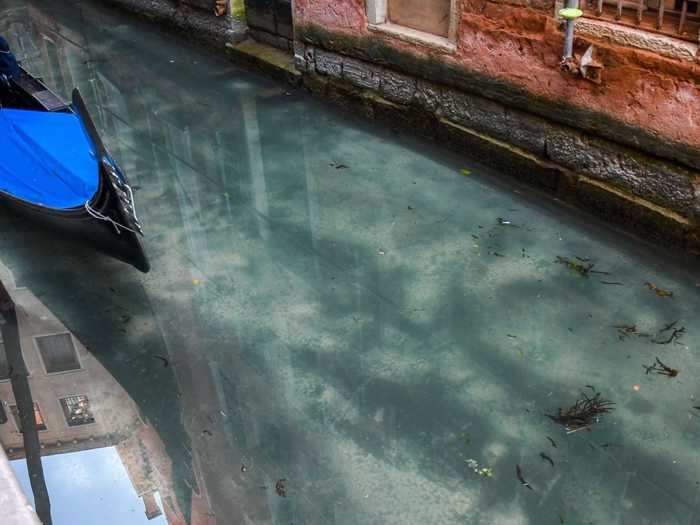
[667, 46]
[414, 36]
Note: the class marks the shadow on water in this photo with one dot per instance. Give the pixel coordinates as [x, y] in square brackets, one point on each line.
[338, 309]
[101, 308]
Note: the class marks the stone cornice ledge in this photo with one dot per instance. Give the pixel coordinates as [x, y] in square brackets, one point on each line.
[414, 36]
[638, 38]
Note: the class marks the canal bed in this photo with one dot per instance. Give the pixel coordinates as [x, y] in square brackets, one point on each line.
[343, 325]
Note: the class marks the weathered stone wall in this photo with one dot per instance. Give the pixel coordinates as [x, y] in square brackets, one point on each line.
[271, 22]
[509, 51]
[193, 24]
[653, 196]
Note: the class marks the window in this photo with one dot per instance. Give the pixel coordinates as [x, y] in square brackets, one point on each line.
[58, 353]
[76, 410]
[4, 365]
[38, 417]
[680, 18]
[432, 22]
[431, 17]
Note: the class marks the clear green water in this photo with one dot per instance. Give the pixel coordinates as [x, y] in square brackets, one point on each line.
[340, 308]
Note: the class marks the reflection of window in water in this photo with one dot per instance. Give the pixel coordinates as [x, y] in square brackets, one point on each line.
[4, 365]
[77, 411]
[38, 418]
[58, 353]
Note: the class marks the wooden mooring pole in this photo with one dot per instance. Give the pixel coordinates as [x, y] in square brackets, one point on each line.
[19, 376]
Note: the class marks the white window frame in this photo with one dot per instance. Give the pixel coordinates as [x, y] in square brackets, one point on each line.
[378, 20]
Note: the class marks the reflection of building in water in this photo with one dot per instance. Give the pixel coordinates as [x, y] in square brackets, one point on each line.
[80, 406]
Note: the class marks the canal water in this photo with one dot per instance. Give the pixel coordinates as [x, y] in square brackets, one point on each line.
[343, 325]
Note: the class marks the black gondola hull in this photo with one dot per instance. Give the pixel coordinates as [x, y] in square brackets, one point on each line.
[108, 221]
[79, 226]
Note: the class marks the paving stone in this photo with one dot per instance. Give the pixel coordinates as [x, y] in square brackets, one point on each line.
[329, 63]
[653, 180]
[361, 74]
[398, 87]
[427, 95]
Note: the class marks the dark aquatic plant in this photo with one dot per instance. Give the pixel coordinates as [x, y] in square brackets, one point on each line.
[584, 413]
[659, 368]
[581, 269]
[676, 334]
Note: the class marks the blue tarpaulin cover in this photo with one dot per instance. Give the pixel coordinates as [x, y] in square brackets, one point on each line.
[46, 159]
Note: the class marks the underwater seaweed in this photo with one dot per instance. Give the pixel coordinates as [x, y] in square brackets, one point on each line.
[585, 412]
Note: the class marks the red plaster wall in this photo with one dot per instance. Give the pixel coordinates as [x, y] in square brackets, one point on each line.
[523, 45]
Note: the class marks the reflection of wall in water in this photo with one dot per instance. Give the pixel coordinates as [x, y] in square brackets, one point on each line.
[80, 406]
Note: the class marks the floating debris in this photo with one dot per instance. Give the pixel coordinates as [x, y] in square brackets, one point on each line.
[521, 478]
[163, 359]
[676, 334]
[582, 266]
[581, 269]
[465, 172]
[661, 369]
[552, 441]
[280, 488]
[506, 222]
[486, 472]
[614, 283]
[244, 468]
[626, 330]
[547, 458]
[584, 413]
[659, 291]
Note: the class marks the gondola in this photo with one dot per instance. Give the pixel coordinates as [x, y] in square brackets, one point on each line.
[55, 170]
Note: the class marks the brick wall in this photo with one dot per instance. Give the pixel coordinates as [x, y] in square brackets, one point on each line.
[509, 51]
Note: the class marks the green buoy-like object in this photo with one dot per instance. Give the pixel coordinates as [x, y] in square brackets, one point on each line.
[570, 13]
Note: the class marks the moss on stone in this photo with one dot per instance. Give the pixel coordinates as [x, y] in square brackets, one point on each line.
[238, 9]
[267, 59]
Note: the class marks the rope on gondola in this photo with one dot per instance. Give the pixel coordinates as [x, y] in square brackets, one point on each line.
[99, 216]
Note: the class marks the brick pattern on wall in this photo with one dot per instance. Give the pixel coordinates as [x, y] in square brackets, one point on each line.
[649, 81]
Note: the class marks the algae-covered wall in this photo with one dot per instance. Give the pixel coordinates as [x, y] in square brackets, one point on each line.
[649, 97]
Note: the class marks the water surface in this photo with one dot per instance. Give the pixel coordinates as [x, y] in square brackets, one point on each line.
[338, 318]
